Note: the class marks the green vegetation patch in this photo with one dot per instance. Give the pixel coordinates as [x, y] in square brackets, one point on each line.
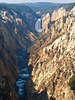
[72, 83]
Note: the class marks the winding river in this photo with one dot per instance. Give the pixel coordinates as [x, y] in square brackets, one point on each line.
[23, 76]
[24, 72]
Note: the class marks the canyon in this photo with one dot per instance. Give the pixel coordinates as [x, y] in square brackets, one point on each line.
[37, 66]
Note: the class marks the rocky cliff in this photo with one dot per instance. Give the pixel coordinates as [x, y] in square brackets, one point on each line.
[45, 22]
[58, 13]
[63, 11]
[16, 32]
[52, 62]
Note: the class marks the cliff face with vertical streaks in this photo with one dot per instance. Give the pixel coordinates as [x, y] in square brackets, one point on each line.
[45, 22]
[61, 12]
[52, 61]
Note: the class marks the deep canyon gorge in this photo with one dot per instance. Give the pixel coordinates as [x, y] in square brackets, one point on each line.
[37, 51]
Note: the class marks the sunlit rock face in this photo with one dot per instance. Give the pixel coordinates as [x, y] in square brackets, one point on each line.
[53, 61]
[45, 22]
[58, 14]
[61, 12]
[73, 11]
[38, 25]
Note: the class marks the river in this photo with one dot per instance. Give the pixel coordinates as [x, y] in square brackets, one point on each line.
[23, 76]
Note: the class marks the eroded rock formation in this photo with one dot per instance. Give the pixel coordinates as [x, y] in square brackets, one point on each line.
[53, 64]
[61, 12]
[45, 22]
